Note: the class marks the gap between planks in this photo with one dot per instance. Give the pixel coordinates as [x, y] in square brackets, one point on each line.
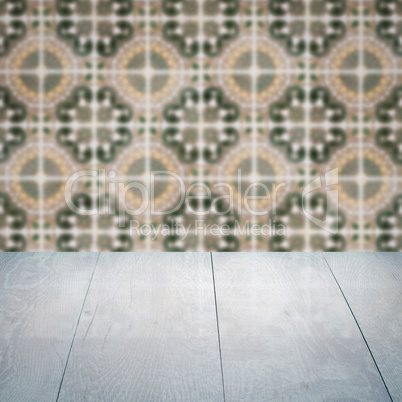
[217, 327]
[76, 327]
[358, 326]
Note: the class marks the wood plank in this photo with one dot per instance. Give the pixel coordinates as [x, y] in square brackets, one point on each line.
[372, 284]
[41, 296]
[148, 332]
[287, 333]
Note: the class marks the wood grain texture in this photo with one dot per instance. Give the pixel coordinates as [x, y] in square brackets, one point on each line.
[372, 284]
[287, 333]
[148, 332]
[41, 296]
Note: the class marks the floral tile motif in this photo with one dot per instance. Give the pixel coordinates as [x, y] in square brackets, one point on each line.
[200, 125]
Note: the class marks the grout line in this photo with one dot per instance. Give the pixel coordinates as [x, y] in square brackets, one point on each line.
[200, 109]
[358, 326]
[41, 166]
[148, 113]
[307, 109]
[214, 71]
[165, 19]
[94, 122]
[216, 178]
[78, 322]
[217, 326]
[254, 118]
[267, 124]
[345, 232]
[361, 62]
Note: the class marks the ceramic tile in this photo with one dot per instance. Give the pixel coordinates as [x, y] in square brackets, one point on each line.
[304, 93]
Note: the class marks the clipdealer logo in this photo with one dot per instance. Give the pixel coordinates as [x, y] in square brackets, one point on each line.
[108, 184]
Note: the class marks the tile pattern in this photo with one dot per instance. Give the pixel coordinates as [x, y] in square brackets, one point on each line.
[284, 90]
